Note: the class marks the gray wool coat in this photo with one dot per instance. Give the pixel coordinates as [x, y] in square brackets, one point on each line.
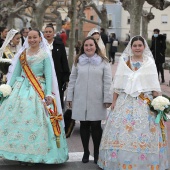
[88, 89]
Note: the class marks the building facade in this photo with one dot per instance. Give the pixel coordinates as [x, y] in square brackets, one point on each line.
[119, 20]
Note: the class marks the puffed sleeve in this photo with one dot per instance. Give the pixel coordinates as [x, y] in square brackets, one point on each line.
[71, 85]
[16, 73]
[48, 76]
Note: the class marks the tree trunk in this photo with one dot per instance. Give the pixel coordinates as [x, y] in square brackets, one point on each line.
[10, 23]
[134, 7]
[135, 19]
[39, 13]
[144, 27]
[58, 23]
[80, 30]
[38, 18]
[72, 32]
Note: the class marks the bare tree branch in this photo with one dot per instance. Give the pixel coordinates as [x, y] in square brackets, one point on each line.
[93, 5]
[90, 21]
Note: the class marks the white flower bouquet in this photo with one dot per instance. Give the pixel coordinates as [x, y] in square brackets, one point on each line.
[161, 104]
[5, 91]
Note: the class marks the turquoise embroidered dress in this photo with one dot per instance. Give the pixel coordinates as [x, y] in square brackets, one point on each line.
[26, 133]
[131, 140]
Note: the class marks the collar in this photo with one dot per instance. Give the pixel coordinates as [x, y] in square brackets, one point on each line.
[94, 60]
[50, 46]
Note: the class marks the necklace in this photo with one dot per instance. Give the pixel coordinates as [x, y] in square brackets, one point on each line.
[33, 52]
[139, 59]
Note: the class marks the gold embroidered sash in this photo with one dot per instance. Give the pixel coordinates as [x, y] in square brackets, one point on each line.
[8, 53]
[54, 116]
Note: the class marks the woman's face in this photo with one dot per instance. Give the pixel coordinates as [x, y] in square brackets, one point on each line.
[89, 48]
[49, 33]
[138, 48]
[16, 39]
[96, 37]
[34, 39]
[4, 33]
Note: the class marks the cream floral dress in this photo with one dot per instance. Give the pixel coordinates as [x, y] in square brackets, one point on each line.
[131, 140]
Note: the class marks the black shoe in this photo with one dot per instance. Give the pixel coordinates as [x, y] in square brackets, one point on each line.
[95, 161]
[85, 158]
[163, 81]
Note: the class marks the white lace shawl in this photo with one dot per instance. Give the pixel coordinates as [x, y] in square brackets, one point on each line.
[145, 79]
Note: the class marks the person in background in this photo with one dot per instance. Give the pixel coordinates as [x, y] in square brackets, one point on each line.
[11, 44]
[113, 47]
[78, 47]
[158, 47]
[104, 36]
[27, 130]
[3, 34]
[9, 48]
[88, 93]
[127, 39]
[24, 33]
[131, 138]
[96, 35]
[57, 37]
[59, 56]
[63, 36]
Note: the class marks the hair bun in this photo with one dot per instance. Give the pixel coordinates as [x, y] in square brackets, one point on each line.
[50, 24]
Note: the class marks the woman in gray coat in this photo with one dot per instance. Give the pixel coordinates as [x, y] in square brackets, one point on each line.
[88, 93]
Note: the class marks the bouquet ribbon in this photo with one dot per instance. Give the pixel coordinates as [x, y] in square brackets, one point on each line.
[160, 115]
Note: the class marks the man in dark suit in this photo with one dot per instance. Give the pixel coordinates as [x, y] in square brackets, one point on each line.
[61, 66]
[24, 34]
[158, 47]
[60, 60]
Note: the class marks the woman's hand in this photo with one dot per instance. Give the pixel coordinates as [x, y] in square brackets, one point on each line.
[113, 105]
[115, 96]
[107, 105]
[69, 104]
[155, 94]
[48, 100]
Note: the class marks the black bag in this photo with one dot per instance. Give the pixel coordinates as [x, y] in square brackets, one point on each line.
[69, 122]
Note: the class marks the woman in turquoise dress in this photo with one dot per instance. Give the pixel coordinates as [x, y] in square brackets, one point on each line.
[26, 133]
[131, 139]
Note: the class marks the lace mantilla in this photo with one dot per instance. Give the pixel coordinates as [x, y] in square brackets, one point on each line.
[9, 37]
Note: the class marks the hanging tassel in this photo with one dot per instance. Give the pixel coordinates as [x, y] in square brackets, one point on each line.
[58, 141]
[162, 130]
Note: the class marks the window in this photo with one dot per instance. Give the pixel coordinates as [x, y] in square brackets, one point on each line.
[91, 17]
[128, 20]
[110, 20]
[164, 19]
